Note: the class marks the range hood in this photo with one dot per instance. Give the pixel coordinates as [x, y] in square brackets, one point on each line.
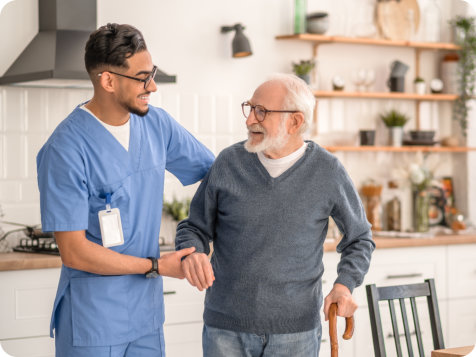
[55, 56]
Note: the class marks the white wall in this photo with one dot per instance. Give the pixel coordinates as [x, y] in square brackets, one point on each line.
[184, 39]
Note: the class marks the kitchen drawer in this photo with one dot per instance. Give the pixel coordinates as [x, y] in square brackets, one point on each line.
[29, 347]
[407, 266]
[462, 271]
[183, 340]
[27, 298]
[462, 322]
[183, 302]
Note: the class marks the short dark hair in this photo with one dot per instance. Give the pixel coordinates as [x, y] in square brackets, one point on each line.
[112, 45]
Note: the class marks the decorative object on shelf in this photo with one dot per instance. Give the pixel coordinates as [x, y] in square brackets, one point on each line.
[371, 192]
[421, 137]
[317, 22]
[300, 16]
[364, 18]
[240, 45]
[396, 82]
[449, 73]
[393, 209]
[449, 141]
[431, 22]
[367, 137]
[177, 209]
[338, 83]
[303, 69]
[358, 78]
[394, 120]
[466, 28]
[420, 85]
[436, 86]
[398, 19]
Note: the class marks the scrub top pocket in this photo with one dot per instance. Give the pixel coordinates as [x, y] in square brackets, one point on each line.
[97, 202]
[99, 307]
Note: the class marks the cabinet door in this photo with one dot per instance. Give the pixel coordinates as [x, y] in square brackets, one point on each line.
[27, 298]
[183, 302]
[29, 347]
[462, 322]
[462, 271]
[183, 340]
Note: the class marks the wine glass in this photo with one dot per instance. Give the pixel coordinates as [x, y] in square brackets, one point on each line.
[358, 78]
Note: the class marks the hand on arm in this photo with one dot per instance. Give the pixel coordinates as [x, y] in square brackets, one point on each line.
[198, 271]
[79, 253]
[341, 295]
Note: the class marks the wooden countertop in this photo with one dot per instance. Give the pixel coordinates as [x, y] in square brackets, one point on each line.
[24, 261]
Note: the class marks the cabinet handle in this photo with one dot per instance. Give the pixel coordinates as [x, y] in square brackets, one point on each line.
[325, 281]
[172, 292]
[324, 340]
[412, 275]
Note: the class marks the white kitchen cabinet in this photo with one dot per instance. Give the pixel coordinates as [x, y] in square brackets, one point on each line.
[26, 301]
[183, 318]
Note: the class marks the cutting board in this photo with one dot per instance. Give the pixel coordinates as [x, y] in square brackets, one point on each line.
[393, 18]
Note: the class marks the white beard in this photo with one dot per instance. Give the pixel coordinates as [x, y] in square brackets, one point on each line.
[269, 143]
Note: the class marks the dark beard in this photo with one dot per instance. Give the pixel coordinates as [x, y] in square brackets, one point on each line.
[137, 112]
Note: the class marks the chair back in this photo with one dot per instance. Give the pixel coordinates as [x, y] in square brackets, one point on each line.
[400, 293]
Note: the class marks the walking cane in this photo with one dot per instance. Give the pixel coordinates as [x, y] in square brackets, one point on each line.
[349, 329]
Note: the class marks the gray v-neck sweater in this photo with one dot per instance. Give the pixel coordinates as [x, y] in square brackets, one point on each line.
[268, 236]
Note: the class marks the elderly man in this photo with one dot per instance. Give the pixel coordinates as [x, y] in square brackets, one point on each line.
[265, 204]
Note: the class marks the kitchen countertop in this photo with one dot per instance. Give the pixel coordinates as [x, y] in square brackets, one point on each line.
[24, 261]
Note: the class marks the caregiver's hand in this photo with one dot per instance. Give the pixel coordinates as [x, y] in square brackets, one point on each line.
[170, 264]
[198, 271]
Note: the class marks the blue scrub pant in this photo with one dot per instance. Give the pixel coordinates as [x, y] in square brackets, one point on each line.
[146, 346]
[224, 343]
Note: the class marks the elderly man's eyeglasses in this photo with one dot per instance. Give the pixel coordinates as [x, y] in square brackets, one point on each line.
[260, 111]
[146, 80]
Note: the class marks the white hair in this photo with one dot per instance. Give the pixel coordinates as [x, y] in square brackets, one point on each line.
[298, 97]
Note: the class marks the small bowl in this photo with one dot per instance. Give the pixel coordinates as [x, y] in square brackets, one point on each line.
[317, 22]
[422, 135]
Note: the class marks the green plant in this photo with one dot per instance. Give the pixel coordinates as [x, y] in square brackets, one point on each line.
[177, 209]
[465, 27]
[303, 67]
[418, 80]
[394, 118]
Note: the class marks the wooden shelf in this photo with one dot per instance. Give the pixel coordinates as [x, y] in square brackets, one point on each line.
[386, 95]
[319, 39]
[413, 148]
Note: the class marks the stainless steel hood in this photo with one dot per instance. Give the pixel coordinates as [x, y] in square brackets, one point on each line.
[56, 53]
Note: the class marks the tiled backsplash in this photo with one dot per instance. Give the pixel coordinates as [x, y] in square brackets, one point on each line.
[29, 115]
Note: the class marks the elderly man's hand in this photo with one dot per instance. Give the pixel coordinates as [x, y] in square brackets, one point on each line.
[198, 271]
[341, 295]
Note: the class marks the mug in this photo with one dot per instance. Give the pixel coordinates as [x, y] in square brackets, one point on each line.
[367, 137]
[396, 84]
[398, 69]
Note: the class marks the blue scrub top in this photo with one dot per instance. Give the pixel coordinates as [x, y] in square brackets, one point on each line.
[79, 164]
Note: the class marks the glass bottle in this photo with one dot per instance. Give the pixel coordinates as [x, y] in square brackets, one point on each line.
[299, 16]
[431, 22]
[373, 204]
[421, 206]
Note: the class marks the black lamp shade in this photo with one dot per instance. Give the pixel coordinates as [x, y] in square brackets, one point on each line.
[240, 45]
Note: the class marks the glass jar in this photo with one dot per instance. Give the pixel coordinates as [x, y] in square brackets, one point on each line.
[421, 206]
[373, 205]
[394, 214]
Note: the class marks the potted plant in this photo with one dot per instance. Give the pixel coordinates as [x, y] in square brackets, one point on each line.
[303, 69]
[175, 211]
[394, 120]
[465, 29]
[420, 85]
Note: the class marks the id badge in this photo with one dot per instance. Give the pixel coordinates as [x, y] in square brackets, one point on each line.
[111, 226]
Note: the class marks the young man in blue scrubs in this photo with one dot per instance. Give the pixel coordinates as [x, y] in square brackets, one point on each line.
[101, 181]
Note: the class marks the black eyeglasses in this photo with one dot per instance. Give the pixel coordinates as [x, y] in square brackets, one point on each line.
[260, 111]
[146, 80]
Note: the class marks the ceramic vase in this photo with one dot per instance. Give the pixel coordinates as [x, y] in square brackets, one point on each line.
[395, 136]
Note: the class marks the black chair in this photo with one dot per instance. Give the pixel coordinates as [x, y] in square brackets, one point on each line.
[402, 292]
